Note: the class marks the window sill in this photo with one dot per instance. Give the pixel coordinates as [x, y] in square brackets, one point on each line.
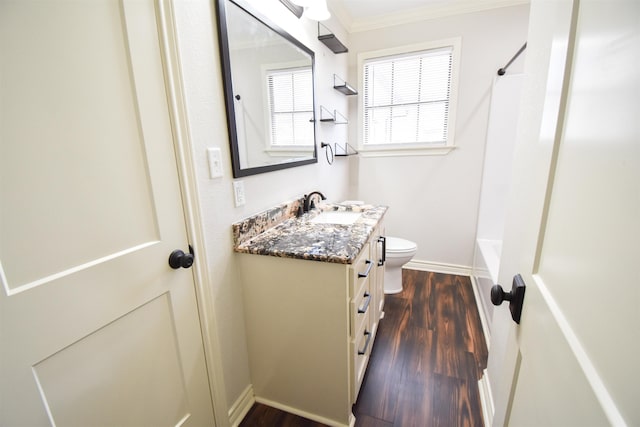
[407, 151]
[289, 151]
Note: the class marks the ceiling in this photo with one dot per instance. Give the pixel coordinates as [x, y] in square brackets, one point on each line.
[362, 15]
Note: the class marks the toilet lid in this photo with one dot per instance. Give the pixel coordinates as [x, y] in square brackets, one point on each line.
[396, 244]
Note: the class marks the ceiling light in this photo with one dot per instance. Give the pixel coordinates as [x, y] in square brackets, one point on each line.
[317, 10]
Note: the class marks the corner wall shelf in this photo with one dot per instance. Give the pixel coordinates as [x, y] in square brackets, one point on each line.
[340, 151]
[336, 117]
[326, 115]
[340, 119]
[344, 151]
[330, 40]
[342, 86]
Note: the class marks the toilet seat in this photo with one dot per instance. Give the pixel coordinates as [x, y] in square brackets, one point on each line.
[398, 246]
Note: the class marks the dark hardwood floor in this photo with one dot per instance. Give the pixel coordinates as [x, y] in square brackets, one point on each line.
[427, 358]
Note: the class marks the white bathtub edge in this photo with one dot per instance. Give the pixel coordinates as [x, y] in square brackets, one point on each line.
[491, 252]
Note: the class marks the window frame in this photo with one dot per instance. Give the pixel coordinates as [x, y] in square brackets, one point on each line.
[282, 150]
[411, 149]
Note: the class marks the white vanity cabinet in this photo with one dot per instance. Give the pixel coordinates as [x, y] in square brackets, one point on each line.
[310, 330]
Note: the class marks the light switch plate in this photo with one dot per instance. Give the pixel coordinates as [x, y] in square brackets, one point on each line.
[215, 162]
[238, 192]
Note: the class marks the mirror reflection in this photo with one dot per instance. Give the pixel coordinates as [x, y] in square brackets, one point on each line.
[269, 93]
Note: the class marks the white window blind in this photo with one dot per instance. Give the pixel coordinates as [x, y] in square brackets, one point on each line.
[407, 98]
[291, 106]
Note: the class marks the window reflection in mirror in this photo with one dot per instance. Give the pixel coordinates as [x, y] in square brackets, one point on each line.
[269, 92]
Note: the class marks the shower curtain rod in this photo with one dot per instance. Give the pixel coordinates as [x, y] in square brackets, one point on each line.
[503, 70]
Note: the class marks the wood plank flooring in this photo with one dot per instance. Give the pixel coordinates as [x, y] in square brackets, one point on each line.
[427, 358]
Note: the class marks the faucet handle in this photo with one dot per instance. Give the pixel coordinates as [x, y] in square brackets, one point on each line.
[308, 200]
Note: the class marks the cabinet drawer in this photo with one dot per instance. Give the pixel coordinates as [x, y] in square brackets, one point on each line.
[361, 305]
[360, 351]
[360, 271]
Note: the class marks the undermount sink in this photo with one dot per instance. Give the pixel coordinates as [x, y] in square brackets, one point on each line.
[337, 217]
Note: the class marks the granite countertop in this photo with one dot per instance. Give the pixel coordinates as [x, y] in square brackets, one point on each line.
[298, 237]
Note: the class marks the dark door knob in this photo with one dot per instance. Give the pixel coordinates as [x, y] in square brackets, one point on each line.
[179, 259]
[498, 295]
[515, 297]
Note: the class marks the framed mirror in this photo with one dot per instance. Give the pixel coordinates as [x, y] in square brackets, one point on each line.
[268, 85]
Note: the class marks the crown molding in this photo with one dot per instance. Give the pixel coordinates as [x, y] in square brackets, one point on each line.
[416, 15]
[340, 13]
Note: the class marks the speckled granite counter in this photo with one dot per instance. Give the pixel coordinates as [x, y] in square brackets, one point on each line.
[300, 238]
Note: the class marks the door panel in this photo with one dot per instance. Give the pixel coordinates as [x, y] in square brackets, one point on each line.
[57, 61]
[96, 328]
[572, 227]
[551, 387]
[590, 248]
[77, 383]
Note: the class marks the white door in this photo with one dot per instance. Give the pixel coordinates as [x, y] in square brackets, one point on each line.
[574, 224]
[95, 329]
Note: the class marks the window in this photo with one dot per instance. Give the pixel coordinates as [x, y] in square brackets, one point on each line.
[290, 93]
[408, 99]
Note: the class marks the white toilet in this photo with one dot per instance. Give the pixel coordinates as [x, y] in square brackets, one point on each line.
[399, 252]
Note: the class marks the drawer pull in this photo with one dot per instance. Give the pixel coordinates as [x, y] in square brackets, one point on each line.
[382, 260]
[366, 304]
[366, 343]
[366, 272]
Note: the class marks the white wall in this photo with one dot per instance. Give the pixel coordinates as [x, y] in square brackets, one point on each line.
[198, 45]
[433, 200]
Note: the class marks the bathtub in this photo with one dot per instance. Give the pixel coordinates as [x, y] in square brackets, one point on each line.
[486, 264]
[496, 180]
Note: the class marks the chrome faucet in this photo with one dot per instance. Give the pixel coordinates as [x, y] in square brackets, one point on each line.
[308, 203]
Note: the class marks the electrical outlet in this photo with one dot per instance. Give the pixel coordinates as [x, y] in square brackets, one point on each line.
[238, 191]
[215, 162]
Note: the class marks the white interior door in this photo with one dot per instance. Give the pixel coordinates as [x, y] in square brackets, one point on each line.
[96, 329]
[573, 225]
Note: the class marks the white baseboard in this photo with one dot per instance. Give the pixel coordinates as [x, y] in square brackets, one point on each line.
[241, 406]
[486, 399]
[483, 316]
[439, 267]
[308, 415]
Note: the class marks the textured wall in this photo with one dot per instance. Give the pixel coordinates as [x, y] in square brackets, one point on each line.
[198, 43]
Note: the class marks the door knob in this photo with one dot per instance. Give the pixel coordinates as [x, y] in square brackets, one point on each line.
[515, 297]
[179, 259]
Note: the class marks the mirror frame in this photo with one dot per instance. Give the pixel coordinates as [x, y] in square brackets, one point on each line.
[223, 38]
